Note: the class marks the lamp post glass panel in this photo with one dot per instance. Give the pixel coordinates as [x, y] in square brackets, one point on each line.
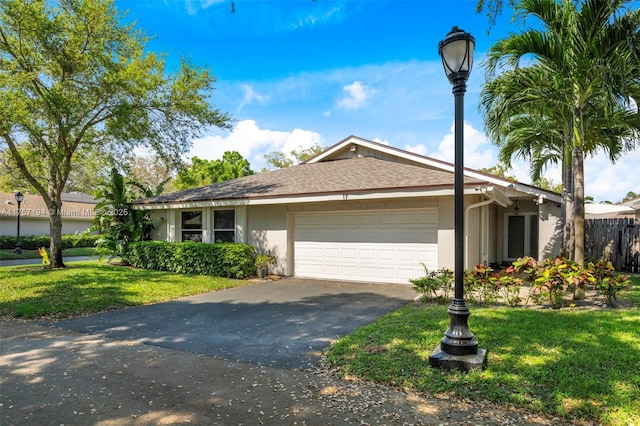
[456, 51]
[19, 197]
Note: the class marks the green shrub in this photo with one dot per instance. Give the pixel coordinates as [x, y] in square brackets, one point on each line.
[551, 281]
[433, 283]
[481, 284]
[229, 260]
[508, 285]
[34, 242]
[607, 281]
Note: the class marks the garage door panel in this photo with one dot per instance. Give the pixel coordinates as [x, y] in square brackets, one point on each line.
[365, 246]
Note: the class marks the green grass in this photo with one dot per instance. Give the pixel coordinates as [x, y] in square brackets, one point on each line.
[33, 254]
[88, 287]
[577, 364]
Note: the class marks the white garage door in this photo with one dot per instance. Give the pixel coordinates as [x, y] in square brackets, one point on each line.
[375, 246]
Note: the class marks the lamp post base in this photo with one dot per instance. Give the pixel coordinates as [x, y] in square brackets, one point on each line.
[440, 358]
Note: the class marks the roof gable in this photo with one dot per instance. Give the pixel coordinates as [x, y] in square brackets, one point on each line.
[354, 147]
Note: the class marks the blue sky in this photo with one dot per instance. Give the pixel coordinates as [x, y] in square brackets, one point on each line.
[297, 72]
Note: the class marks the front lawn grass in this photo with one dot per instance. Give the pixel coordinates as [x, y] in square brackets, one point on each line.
[84, 288]
[573, 363]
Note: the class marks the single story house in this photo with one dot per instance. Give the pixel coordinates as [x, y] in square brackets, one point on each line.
[634, 204]
[77, 214]
[364, 211]
[608, 211]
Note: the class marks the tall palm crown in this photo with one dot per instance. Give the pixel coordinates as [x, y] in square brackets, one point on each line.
[562, 89]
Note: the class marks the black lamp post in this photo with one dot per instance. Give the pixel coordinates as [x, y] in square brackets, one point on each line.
[459, 347]
[19, 197]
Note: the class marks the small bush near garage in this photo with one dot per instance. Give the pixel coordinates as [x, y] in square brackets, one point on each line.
[229, 260]
[34, 242]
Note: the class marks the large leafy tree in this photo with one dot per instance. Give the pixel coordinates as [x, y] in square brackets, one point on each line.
[281, 160]
[75, 81]
[561, 89]
[203, 172]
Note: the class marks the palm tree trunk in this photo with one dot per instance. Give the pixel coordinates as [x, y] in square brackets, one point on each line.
[578, 206]
[566, 212]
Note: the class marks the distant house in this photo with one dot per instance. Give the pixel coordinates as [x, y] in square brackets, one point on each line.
[364, 211]
[77, 214]
[634, 204]
[608, 211]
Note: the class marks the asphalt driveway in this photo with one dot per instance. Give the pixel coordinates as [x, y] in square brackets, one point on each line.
[285, 323]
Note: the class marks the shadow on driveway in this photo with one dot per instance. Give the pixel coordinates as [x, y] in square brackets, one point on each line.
[284, 323]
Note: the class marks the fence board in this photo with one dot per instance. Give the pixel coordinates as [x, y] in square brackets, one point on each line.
[616, 240]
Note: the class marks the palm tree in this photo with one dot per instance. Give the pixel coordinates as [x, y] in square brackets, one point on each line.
[526, 116]
[560, 90]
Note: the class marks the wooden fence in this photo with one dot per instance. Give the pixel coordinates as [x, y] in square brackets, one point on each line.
[617, 240]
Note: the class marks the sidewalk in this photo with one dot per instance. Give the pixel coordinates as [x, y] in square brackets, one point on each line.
[15, 262]
[54, 376]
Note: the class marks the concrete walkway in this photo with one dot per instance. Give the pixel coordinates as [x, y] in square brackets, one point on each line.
[17, 262]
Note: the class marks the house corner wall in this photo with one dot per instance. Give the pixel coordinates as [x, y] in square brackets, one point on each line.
[267, 232]
[550, 230]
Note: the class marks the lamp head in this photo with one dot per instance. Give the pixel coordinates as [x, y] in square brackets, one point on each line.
[456, 51]
[19, 196]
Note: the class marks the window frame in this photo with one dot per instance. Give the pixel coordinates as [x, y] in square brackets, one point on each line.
[189, 230]
[231, 230]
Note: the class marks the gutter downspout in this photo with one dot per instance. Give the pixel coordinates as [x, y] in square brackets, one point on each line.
[493, 197]
[466, 225]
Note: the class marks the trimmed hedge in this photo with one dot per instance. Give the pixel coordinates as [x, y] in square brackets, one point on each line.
[229, 260]
[34, 242]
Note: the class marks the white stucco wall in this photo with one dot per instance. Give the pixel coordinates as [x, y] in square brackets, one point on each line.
[550, 231]
[269, 228]
[40, 226]
[446, 233]
[267, 232]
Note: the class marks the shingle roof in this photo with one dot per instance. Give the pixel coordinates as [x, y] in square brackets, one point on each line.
[73, 206]
[357, 175]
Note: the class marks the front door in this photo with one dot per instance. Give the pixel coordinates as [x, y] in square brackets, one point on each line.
[521, 236]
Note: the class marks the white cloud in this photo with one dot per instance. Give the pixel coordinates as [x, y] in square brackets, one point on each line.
[478, 152]
[357, 95]
[250, 95]
[312, 19]
[605, 181]
[252, 143]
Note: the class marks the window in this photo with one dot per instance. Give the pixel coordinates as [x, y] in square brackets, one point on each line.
[192, 226]
[224, 224]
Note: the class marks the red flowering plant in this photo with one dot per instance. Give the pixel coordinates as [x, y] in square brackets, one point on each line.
[508, 285]
[480, 284]
[558, 275]
[608, 282]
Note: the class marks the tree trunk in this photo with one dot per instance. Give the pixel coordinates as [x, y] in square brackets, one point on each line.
[578, 205]
[566, 211]
[55, 232]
